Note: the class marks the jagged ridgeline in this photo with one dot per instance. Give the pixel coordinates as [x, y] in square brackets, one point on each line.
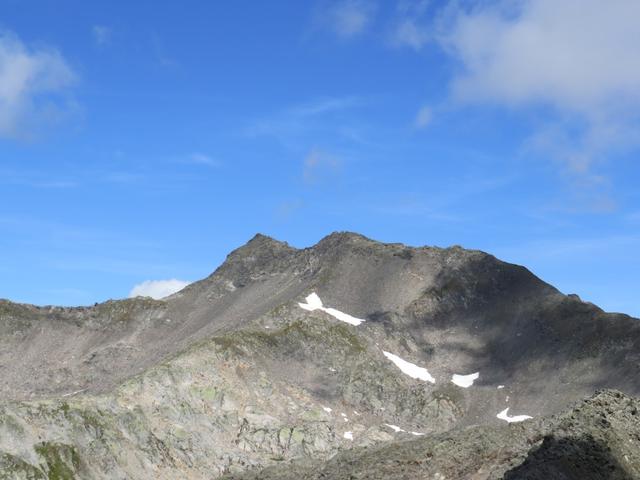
[349, 359]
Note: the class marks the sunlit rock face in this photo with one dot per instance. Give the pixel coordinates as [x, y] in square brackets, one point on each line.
[303, 354]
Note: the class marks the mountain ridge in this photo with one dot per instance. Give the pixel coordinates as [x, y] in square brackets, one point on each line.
[236, 371]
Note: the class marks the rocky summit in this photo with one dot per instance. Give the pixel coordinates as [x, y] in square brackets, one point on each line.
[349, 359]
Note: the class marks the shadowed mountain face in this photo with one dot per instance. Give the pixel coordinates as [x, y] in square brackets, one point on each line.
[247, 368]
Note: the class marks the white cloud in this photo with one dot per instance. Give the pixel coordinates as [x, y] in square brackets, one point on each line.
[349, 18]
[101, 34]
[579, 55]
[423, 117]
[157, 288]
[31, 81]
[577, 58]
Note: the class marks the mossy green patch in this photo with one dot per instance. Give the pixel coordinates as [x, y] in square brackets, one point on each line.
[125, 310]
[14, 310]
[297, 436]
[62, 461]
[209, 394]
[292, 338]
[12, 467]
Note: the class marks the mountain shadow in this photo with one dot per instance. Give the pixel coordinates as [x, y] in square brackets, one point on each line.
[569, 458]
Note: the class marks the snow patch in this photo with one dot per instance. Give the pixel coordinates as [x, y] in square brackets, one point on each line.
[504, 415]
[409, 368]
[465, 381]
[395, 428]
[314, 303]
[327, 409]
[343, 317]
[348, 435]
[500, 387]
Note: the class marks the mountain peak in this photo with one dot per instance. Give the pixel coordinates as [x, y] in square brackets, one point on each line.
[341, 239]
[261, 243]
[261, 238]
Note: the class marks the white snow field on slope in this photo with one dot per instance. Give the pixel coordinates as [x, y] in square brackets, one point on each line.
[504, 415]
[314, 303]
[409, 368]
[348, 435]
[465, 381]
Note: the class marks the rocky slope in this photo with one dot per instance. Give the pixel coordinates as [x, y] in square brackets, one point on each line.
[597, 439]
[287, 354]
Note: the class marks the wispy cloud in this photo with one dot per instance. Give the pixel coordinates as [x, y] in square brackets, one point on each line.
[198, 158]
[571, 247]
[441, 204]
[32, 87]
[285, 210]
[423, 117]
[418, 208]
[101, 34]
[306, 121]
[157, 288]
[348, 18]
[409, 33]
[633, 217]
[410, 28]
[34, 180]
[324, 105]
[319, 165]
[162, 56]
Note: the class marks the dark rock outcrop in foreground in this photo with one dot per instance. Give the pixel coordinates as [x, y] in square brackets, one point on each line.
[247, 373]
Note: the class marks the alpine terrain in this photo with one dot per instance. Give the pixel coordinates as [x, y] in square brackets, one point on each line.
[349, 359]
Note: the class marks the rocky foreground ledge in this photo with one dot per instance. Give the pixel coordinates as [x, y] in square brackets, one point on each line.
[598, 439]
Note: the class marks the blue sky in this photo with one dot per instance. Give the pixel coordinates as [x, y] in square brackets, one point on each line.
[143, 141]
